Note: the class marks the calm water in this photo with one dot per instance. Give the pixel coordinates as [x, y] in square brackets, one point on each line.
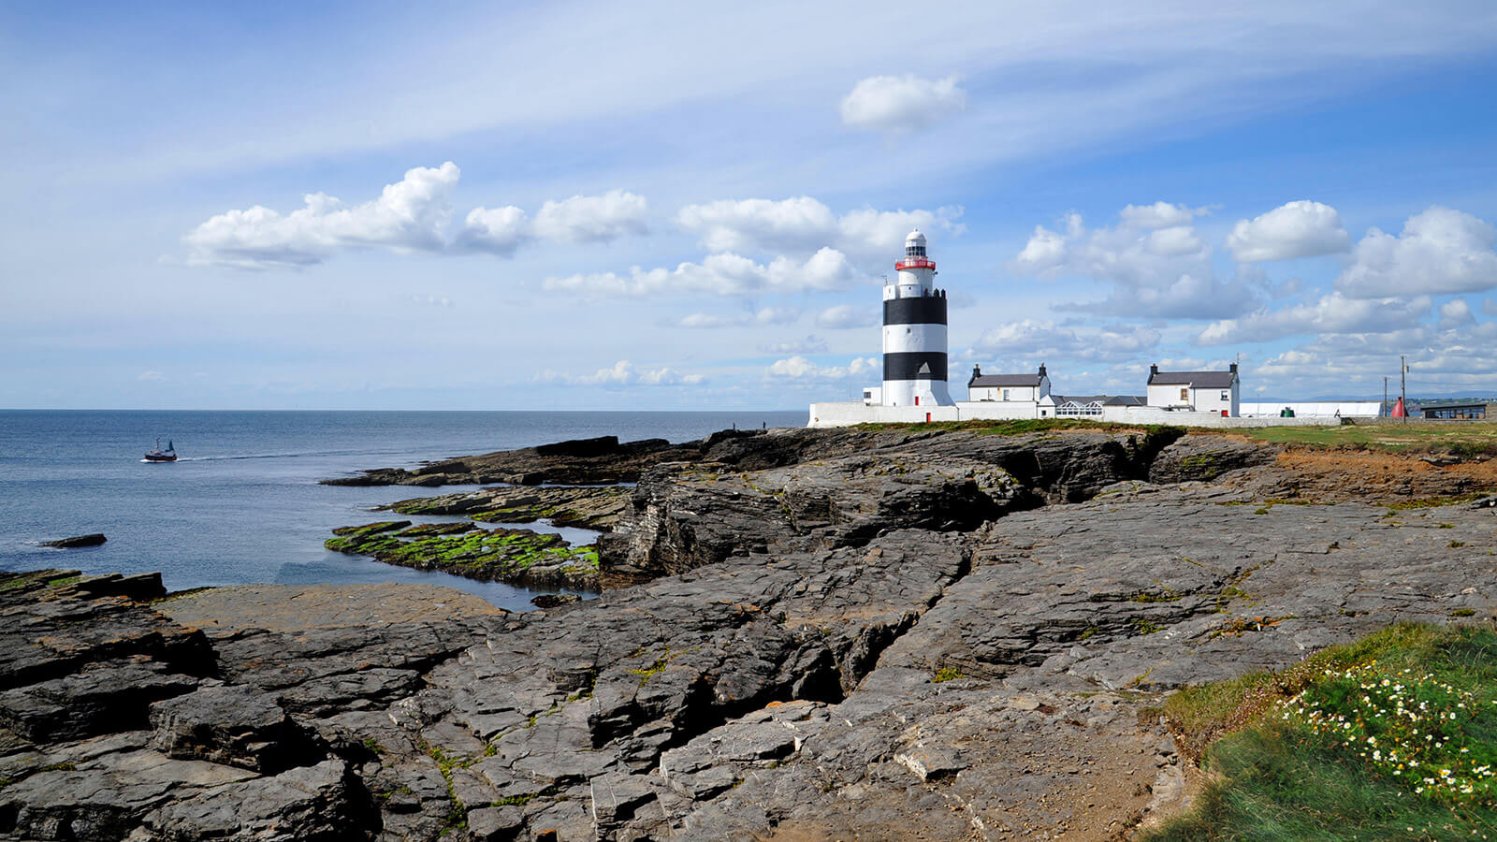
[243, 504]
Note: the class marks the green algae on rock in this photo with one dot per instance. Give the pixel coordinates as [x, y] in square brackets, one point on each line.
[516, 556]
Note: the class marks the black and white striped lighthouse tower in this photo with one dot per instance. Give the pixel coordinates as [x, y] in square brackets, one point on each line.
[915, 331]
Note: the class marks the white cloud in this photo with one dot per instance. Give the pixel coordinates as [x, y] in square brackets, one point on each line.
[623, 373]
[150, 377]
[1295, 229]
[800, 368]
[720, 274]
[901, 103]
[409, 215]
[1439, 251]
[592, 219]
[880, 234]
[1158, 265]
[496, 230]
[1040, 340]
[803, 223]
[747, 224]
[844, 316]
[762, 317]
[1159, 215]
[1333, 313]
[812, 344]
[1456, 313]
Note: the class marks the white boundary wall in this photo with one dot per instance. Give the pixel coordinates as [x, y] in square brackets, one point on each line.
[1324, 409]
[847, 414]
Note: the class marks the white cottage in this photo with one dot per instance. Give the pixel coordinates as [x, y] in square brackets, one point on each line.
[1030, 388]
[1214, 392]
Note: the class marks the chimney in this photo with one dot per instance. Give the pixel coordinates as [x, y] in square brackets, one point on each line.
[1153, 369]
[976, 373]
[1042, 370]
[1232, 368]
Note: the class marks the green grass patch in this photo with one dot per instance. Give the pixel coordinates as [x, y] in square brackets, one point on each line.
[1434, 502]
[945, 674]
[1162, 595]
[1026, 426]
[513, 801]
[1391, 737]
[1465, 439]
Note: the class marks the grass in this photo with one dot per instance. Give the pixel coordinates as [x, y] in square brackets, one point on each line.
[457, 812]
[1025, 426]
[945, 674]
[1391, 737]
[1465, 439]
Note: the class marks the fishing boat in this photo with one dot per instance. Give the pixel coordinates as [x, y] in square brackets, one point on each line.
[159, 455]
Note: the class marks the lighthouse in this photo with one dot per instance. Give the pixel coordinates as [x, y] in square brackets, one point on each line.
[915, 331]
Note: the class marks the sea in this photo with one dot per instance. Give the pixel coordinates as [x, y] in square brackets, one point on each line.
[242, 504]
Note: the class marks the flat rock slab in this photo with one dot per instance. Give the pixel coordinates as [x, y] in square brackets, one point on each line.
[292, 608]
[93, 539]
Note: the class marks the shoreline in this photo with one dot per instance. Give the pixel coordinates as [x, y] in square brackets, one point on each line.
[993, 615]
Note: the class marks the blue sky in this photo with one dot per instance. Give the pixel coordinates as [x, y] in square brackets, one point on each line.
[594, 206]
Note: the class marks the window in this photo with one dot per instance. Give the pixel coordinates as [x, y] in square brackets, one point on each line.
[1226, 396]
[1005, 394]
[1185, 394]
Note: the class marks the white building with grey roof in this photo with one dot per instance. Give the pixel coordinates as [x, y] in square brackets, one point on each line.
[1211, 392]
[1008, 387]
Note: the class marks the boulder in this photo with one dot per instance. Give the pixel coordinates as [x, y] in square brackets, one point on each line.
[93, 539]
[236, 726]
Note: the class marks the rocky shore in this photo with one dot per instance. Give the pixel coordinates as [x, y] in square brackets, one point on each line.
[890, 633]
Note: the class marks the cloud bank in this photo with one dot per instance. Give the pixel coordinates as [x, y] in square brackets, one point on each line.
[1153, 258]
[1439, 251]
[411, 215]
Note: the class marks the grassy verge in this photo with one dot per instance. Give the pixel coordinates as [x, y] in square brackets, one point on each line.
[1466, 439]
[1392, 737]
[1024, 426]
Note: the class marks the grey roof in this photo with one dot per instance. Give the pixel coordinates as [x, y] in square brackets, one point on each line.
[1005, 380]
[1105, 400]
[1197, 379]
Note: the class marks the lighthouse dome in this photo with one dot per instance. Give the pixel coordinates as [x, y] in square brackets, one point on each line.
[914, 244]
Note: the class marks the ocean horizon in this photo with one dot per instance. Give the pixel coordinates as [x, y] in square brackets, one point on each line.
[243, 504]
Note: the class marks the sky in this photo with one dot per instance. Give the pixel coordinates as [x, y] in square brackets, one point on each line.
[666, 206]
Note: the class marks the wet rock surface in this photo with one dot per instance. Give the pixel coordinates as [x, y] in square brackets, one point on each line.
[587, 507]
[894, 635]
[93, 539]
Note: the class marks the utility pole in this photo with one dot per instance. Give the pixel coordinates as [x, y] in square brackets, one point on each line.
[1386, 410]
[1403, 386]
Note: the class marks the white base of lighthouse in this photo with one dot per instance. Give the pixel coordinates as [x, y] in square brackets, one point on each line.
[916, 393]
